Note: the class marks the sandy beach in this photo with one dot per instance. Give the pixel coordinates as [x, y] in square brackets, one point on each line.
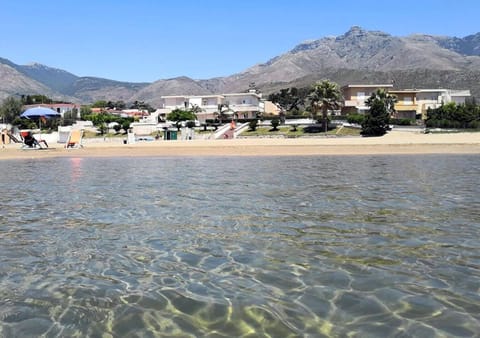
[394, 143]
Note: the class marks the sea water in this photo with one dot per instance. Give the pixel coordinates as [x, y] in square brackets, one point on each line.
[366, 246]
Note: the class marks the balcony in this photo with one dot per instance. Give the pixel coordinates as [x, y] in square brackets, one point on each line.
[354, 103]
[404, 107]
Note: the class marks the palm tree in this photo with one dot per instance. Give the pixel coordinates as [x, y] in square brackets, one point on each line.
[196, 109]
[383, 96]
[224, 111]
[324, 96]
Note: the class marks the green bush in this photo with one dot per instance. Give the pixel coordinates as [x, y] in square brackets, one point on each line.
[453, 115]
[355, 118]
[190, 124]
[474, 125]
[253, 125]
[275, 123]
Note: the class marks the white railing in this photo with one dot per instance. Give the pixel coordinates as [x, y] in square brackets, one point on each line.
[220, 131]
[240, 129]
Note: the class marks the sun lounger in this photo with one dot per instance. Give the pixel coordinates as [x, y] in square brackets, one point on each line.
[75, 139]
[30, 142]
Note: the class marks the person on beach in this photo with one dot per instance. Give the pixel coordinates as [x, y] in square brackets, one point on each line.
[31, 141]
[4, 137]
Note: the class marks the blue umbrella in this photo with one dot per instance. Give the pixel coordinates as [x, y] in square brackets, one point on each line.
[38, 112]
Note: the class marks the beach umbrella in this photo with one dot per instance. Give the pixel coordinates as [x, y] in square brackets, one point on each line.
[39, 112]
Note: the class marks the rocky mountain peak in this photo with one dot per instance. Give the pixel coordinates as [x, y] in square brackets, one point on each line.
[359, 55]
[355, 31]
[358, 33]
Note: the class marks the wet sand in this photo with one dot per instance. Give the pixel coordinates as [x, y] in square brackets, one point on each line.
[394, 143]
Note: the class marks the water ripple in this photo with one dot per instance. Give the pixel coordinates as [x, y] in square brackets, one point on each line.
[378, 246]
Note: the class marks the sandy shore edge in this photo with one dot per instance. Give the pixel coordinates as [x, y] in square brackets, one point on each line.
[394, 143]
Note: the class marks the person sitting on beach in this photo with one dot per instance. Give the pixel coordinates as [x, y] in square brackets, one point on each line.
[4, 137]
[31, 141]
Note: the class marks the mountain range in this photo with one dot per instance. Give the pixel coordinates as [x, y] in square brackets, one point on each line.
[358, 56]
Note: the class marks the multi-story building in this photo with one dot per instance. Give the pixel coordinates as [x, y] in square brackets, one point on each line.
[406, 103]
[411, 103]
[414, 103]
[239, 105]
[244, 105]
[355, 95]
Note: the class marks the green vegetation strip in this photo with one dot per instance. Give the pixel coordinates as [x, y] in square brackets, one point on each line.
[288, 131]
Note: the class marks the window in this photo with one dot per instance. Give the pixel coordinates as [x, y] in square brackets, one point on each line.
[407, 100]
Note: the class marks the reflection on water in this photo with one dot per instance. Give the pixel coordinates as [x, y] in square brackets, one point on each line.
[380, 246]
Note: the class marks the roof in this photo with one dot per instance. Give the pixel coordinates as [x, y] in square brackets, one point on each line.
[368, 86]
[173, 96]
[53, 105]
[451, 92]
[205, 96]
[243, 94]
[404, 91]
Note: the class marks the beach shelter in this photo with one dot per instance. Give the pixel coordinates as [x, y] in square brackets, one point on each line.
[39, 113]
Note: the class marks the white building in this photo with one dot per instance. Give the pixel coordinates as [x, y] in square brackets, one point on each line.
[238, 105]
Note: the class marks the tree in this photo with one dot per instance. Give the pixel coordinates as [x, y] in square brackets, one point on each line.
[290, 100]
[120, 105]
[103, 128]
[140, 105]
[36, 99]
[117, 128]
[126, 124]
[84, 111]
[179, 115]
[452, 115]
[195, 109]
[69, 117]
[377, 119]
[275, 123]
[223, 109]
[100, 104]
[324, 97]
[10, 109]
[252, 125]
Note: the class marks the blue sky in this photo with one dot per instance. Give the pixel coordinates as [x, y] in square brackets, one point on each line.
[148, 40]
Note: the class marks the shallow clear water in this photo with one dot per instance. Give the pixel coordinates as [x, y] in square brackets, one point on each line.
[377, 246]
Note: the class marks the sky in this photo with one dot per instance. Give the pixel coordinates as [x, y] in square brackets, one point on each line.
[149, 40]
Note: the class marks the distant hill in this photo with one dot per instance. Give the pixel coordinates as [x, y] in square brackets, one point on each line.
[16, 83]
[358, 56]
[90, 89]
[175, 86]
[54, 78]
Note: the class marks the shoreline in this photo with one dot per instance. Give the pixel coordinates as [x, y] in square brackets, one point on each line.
[393, 143]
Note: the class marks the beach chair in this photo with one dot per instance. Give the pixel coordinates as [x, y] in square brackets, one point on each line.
[30, 142]
[75, 139]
